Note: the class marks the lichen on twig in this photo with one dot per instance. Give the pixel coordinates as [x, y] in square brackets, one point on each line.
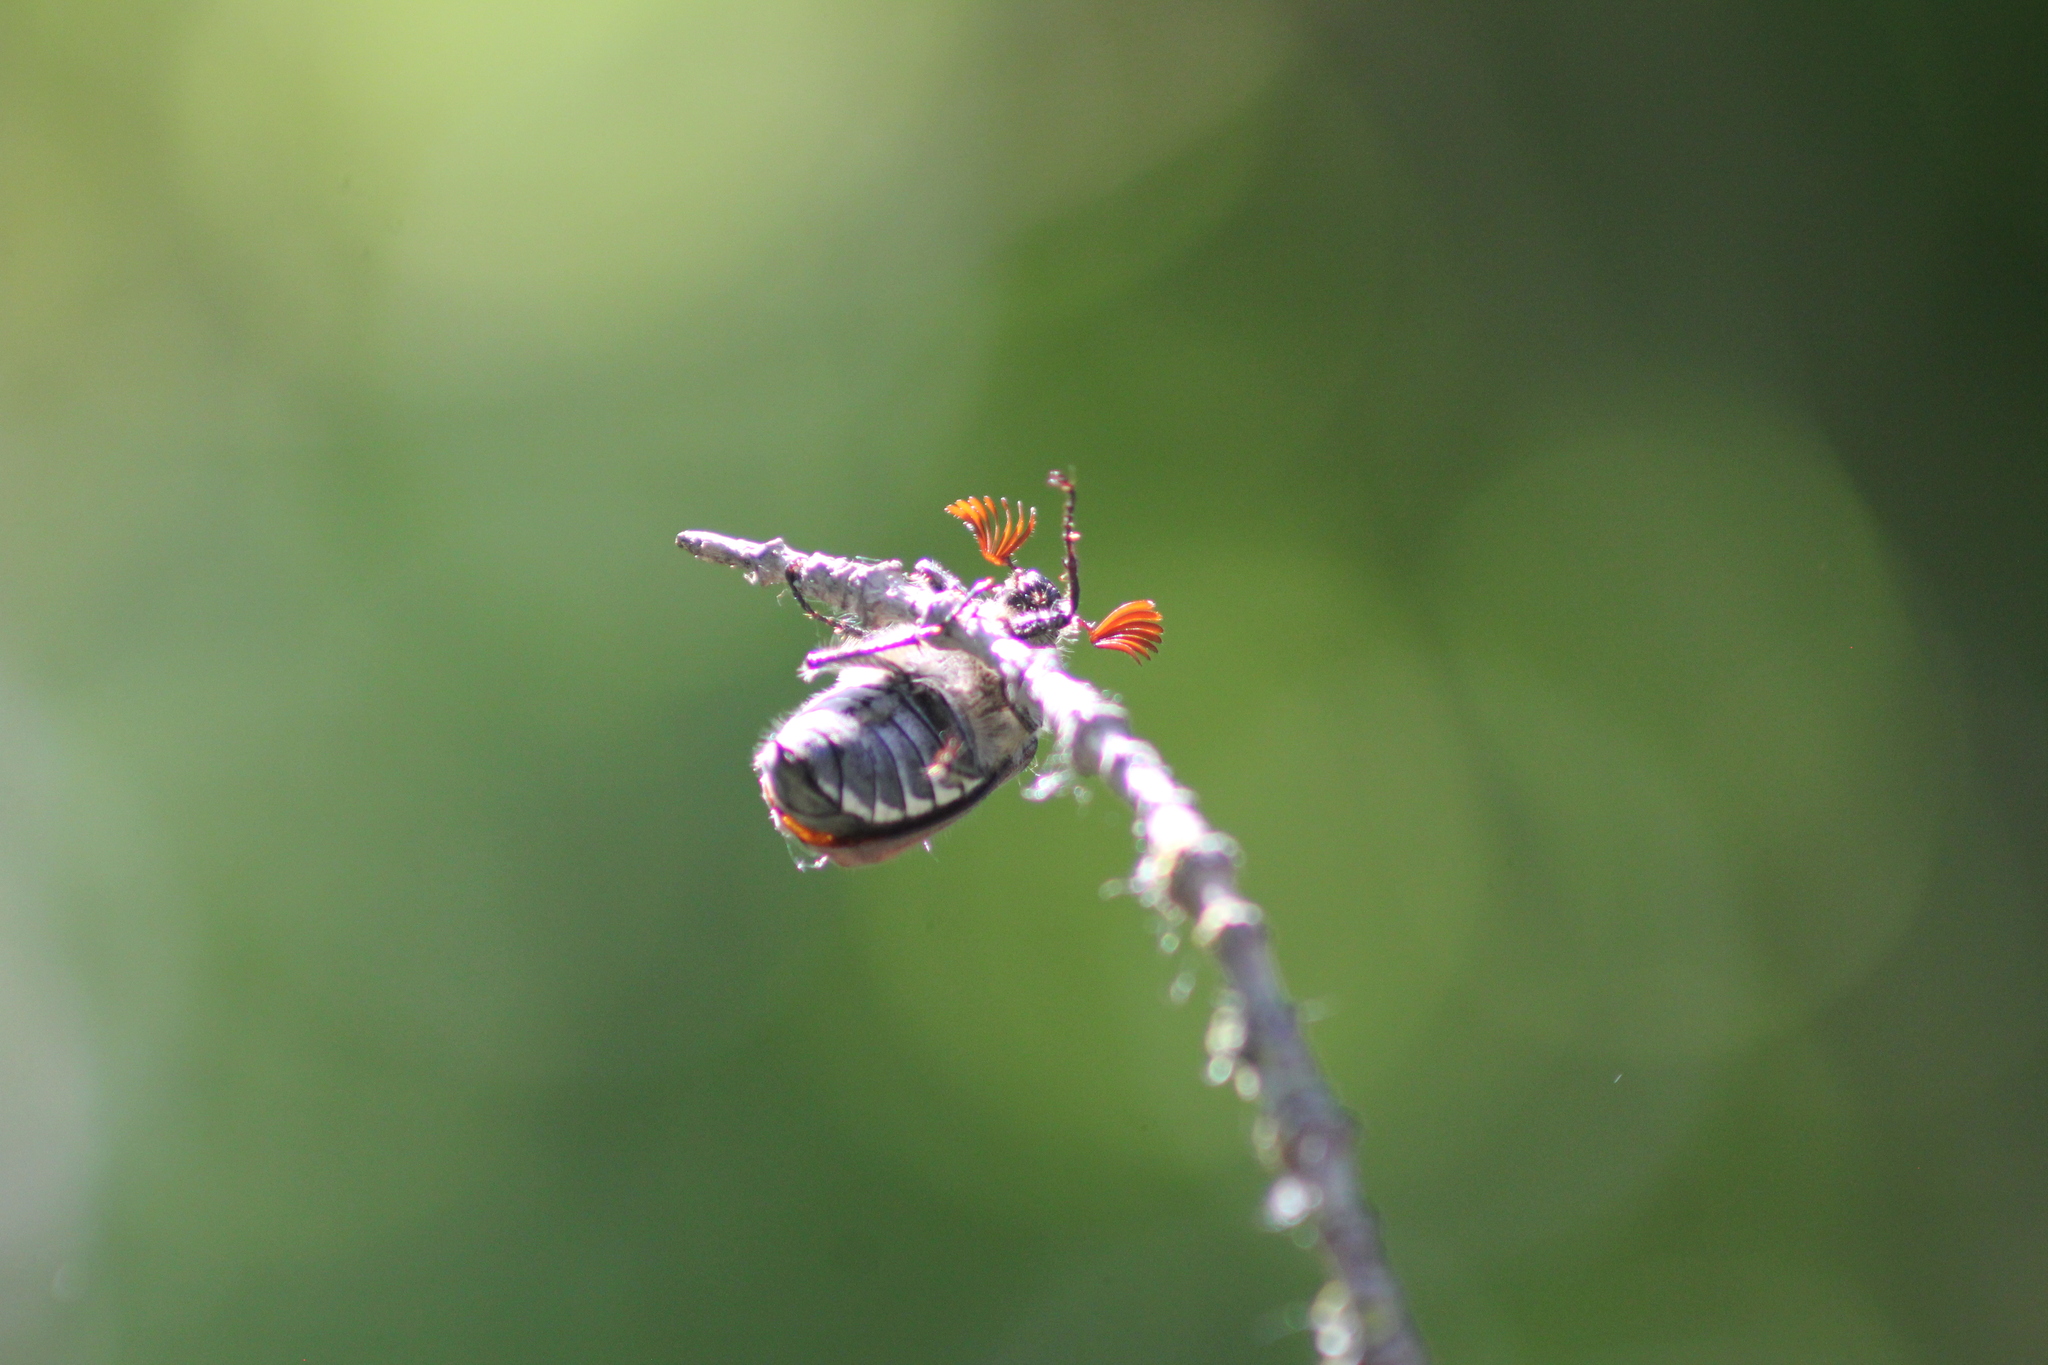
[1185, 868]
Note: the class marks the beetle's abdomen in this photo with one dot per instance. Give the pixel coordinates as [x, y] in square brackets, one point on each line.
[863, 755]
[878, 759]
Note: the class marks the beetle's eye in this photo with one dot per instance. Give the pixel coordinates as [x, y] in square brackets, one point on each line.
[1029, 591]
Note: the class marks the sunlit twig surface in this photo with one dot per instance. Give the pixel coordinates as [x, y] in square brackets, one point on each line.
[1185, 867]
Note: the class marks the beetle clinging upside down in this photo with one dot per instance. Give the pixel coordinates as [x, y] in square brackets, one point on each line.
[909, 737]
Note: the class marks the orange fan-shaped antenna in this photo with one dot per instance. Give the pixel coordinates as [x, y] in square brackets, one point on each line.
[1136, 628]
[999, 542]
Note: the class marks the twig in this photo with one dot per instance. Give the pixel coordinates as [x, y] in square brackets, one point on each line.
[1185, 868]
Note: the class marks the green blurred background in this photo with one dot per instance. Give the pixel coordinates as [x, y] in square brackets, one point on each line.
[1590, 457]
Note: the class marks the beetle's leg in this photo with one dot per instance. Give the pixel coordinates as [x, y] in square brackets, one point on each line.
[796, 588]
[1071, 573]
[946, 611]
[937, 575]
[825, 658]
[942, 761]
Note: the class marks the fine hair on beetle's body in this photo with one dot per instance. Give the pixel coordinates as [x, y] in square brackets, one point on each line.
[908, 737]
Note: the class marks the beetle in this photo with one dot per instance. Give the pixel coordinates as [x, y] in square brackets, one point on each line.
[909, 737]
